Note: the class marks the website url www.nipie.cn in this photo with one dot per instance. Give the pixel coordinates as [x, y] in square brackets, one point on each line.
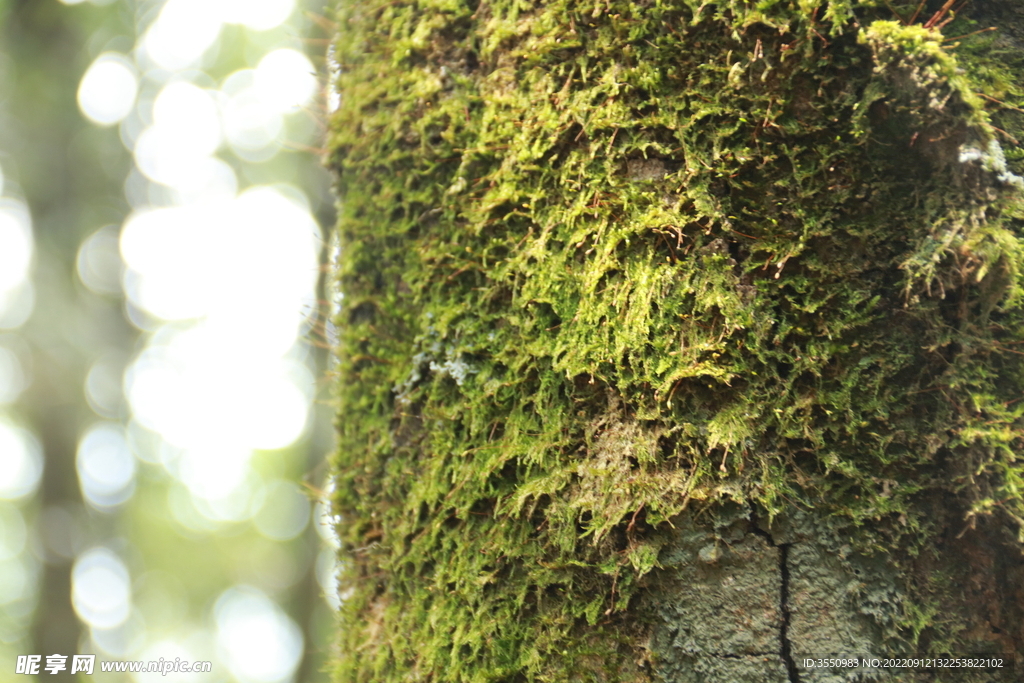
[33, 664]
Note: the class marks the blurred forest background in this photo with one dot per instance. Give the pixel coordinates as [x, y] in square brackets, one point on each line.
[162, 429]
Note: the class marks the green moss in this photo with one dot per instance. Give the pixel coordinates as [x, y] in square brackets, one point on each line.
[602, 261]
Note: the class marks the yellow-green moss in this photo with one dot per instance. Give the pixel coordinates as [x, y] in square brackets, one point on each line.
[603, 260]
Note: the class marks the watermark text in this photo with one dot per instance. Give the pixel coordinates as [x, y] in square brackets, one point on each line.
[54, 664]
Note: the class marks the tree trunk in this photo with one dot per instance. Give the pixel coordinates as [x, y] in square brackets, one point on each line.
[678, 339]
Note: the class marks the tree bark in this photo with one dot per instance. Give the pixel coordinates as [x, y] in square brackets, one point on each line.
[678, 340]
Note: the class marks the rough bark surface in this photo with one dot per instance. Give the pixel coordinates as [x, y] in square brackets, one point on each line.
[679, 339]
[745, 602]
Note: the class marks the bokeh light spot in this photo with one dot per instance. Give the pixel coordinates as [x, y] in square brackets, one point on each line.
[186, 130]
[189, 115]
[203, 395]
[12, 376]
[285, 79]
[16, 306]
[253, 259]
[260, 643]
[124, 639]
[21, 462]
[106, 466]
[16, 248]
[252, 122]
[108, 89]
[103, 385]
[219, 268]
[99, 262]
[183, 31]
[258, 15]
[101, 589]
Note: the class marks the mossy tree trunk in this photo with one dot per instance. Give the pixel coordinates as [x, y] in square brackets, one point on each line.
[680, 339]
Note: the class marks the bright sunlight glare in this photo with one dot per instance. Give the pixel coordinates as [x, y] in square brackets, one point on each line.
[218, 265]
[285, 79]
[198, 388]
[186, 130]
[182, 32]
[254, 258]
[186, 29]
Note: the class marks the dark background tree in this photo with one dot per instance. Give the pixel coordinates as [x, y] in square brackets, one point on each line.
[679, 339]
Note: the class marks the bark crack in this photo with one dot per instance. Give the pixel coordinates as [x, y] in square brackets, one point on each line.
[785, 647]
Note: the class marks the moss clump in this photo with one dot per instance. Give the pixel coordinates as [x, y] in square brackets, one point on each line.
[604, 260]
